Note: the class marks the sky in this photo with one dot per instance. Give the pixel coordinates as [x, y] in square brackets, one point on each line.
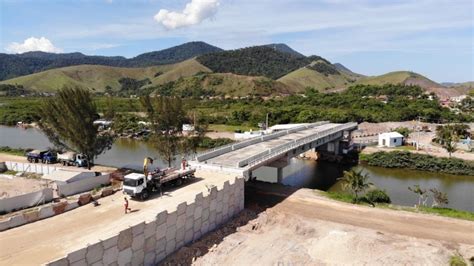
[432, 37]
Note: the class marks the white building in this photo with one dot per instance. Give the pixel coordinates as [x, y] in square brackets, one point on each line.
[390, 139]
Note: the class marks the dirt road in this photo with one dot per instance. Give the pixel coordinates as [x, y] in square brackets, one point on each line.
[310, 229]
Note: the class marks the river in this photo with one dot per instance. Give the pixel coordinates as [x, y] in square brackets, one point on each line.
[299, 173]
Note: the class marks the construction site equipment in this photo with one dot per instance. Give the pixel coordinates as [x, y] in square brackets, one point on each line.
[140, 186]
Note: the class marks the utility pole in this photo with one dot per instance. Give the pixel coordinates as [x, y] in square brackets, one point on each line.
[418, 133]
[266, 122]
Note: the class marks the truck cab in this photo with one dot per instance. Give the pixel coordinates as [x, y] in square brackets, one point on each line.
[135, 185]
[81, 160]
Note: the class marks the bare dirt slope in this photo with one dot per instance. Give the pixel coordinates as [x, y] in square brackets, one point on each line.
[312, 230]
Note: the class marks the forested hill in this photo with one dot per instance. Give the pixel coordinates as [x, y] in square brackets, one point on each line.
[255, 61]
[14, 65]
[174, 54]
[284, 48]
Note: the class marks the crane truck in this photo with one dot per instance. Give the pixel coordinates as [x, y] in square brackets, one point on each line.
[140, 186]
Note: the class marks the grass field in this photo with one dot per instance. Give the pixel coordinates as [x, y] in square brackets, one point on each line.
[229, 128]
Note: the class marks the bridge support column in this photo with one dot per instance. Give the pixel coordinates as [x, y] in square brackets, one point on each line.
[280, 175]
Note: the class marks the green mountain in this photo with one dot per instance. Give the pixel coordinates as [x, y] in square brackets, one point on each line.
[284, 48]
[223, 85]
[400, 77]
[255, 61]
[341, 68]
[320, 75]
[14, 65]
[97, 77]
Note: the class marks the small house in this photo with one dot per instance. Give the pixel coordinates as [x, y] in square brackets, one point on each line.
[390, 139]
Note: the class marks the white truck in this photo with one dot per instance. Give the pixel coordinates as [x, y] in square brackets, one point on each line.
[72, 158]
[140, 186]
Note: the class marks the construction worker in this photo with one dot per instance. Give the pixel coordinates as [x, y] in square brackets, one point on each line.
[127, 209]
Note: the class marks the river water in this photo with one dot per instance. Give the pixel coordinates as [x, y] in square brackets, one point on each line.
[299, 173]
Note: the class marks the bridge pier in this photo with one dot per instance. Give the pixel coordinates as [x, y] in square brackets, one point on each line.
[280, 175]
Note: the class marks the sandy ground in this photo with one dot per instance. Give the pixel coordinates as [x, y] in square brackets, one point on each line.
[19, 185]
[15, 158]
[216, 135]
[42, 241]
[309, 229]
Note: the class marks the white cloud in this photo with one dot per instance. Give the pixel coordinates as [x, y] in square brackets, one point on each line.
[33, 44]
[194, 13]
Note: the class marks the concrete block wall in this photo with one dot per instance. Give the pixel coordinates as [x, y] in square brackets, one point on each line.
[26, 200]
[49, 210]
[83, 185]
[149, 242]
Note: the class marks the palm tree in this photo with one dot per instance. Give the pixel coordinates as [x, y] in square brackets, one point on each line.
[356, 181]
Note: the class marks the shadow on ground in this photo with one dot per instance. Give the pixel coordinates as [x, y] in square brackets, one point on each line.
[259, 196]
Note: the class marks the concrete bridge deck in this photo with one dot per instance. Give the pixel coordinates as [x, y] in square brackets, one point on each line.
[229, 159]
[276, 148]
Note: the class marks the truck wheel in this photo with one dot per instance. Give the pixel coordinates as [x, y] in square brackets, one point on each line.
[145, 195]
[64, 163]
[179, 182]
[28, 159]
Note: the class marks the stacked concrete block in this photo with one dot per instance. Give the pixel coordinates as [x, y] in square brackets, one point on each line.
[148, 243]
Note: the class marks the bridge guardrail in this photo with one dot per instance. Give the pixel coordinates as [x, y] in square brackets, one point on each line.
[234, 146]
[289, 146]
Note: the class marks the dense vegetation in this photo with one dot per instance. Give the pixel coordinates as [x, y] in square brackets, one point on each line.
[324, 68]
[13, 110]
[13, 90]
[14, 65]
[359, 103]
[255, 61]
[415, 161]
[208, 143]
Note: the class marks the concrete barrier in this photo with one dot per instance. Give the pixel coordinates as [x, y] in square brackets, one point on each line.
[26, 200]
[83, 185]
[37, 168]
[148, 243]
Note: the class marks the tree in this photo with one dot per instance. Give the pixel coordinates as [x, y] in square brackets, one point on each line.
[421, 194]
[109, 112]
[167, 117]
[356, 182]
[439, 198]
[404, 131]
[449, 135]
[67, 120]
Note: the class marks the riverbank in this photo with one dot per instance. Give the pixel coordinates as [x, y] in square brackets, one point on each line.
[304, 227]
[439, 153]
[417, 161]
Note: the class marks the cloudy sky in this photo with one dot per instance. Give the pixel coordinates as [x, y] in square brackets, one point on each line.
[432, 37]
